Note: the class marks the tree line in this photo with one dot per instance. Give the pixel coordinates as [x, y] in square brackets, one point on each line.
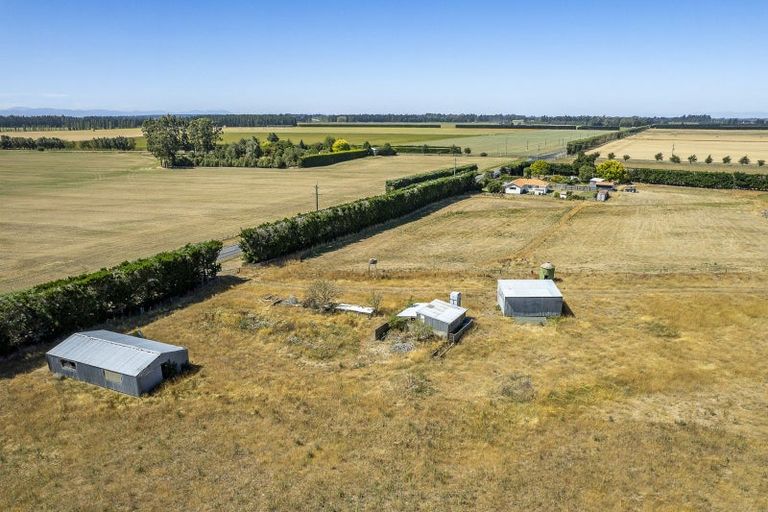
[50, 122]
[44, 143]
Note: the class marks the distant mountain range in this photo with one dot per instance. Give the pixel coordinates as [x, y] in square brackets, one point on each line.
[26, 111]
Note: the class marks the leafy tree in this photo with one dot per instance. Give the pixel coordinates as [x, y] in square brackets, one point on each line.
[744, 160]
[586, 172]
[367, 145]
[584, 159]
[760, 163]
[612, 170]
[340, 145]
[611, 155]
[302, 145]
[708, 159]
[659, 157]
[328, 143]
[203, 135]
[165, 138]
[272, 137]
[467, 151]
[455, 150]
[626, 157]
[537, 168]
[494, 186]
[727, 159]
[692, 159]
[674, 159]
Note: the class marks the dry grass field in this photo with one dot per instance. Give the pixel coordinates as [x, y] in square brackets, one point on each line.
[718, 143]
[650, 397]
[64, 213]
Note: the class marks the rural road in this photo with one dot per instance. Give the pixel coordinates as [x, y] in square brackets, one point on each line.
[228, 252]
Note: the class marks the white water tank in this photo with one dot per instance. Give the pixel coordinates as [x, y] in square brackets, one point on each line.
[455, 298]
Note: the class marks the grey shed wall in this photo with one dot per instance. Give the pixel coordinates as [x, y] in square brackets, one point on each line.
[94, 375]
[530, 306]
[441, 327]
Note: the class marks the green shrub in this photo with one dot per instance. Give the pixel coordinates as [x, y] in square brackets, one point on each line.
[274, 239]
[60, 307]
[332, 158]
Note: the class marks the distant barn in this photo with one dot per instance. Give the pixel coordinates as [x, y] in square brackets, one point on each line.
[529, 297]
[116, 361]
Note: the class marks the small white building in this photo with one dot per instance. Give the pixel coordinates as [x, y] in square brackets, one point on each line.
[529, 298]
[526, 186]
[442, 317]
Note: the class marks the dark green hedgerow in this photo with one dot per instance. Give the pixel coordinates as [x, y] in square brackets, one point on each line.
[413, 179]
[332, 158]
[701, 179]
[275, 239]
[575, 146]
[59, 307]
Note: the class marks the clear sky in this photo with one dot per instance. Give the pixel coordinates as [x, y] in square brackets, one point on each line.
[533, 57]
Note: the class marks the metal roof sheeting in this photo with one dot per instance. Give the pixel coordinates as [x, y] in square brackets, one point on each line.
[528, 288]
[442, 311]
[112, 351]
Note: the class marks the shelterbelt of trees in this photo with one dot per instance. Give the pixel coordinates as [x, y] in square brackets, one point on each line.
[43, 143]
[180, 142]
[51, 122]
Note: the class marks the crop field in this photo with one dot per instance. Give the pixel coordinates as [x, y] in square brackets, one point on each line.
[650, 396]
[494, 141]
[63, 213]
[718, 143]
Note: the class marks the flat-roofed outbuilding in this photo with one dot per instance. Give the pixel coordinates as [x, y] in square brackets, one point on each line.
[529, 297]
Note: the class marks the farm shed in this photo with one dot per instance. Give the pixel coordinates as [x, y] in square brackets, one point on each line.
[442, 317]
[116, 361]
[529, 297]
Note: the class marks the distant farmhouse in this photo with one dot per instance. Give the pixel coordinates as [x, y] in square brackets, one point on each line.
[526, 186]
[116, 361]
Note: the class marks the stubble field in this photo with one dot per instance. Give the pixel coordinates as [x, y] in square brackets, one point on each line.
[650, 397]
[683, 143]
[63, 213]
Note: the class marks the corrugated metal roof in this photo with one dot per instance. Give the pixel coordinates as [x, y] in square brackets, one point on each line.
[410, 311]
[529, 288]
[441, 310]
[112, 351]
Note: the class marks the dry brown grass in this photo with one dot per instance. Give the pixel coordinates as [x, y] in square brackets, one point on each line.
[652, 397]
[63, 213]
[718, 143]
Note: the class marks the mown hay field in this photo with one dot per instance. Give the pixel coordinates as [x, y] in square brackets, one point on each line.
[650, 397]
[63, 213]
[718, 143]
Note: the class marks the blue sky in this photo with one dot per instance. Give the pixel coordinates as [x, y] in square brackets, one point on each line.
[548, 57]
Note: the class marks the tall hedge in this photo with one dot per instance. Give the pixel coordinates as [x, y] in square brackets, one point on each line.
[60, 307]
[286, 236]
[428, 150]
[407, 181]
[332, 158]
[701, 179]
[575, 146]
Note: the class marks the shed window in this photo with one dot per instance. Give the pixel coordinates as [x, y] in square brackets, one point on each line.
[68, 365]
[113, 377]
